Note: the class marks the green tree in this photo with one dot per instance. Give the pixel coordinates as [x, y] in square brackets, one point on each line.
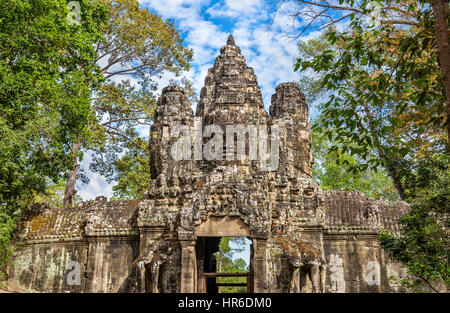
[386, 75]
[412, 34]
[53, 196]
[136, 49]
[7, 228]
[132, 171]
[226, 263]
[386, 98]
[334, 171]
[423, 245]
[45, 65]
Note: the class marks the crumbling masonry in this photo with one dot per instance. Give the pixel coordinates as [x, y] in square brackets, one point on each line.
[304, 239]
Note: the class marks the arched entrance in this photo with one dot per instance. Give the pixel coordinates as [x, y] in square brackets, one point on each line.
[215, 275]
[198, 273]
[209, 234]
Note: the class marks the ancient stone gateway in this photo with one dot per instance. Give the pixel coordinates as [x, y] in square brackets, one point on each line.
[304, 239]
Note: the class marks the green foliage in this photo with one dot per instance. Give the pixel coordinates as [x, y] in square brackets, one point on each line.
[424, 242]
[385, 107]
[334, 170]
[7, 227]
[45, 65]
[386, 98]
[133, 172]
[53, 196]
[310, 81]
[226, 263]
[141, 42]
[120, 153]
[137, 48]
[47, 74]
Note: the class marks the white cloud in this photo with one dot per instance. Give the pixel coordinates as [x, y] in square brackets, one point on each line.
[175, 9]
[97, 186]
[235, 8]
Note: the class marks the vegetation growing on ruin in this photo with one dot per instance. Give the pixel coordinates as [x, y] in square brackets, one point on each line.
[46, 65]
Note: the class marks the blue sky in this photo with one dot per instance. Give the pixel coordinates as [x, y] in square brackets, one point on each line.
[264, 37]
[260, 34]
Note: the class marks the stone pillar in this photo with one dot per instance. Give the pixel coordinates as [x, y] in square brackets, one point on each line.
[323, 277]
[315, 278]
[259, 265]
[188, 266]
[149, 234]
[295, 281]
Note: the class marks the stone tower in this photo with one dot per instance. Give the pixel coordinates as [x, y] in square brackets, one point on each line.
[290, 111]
[211, 178]
[231, 94]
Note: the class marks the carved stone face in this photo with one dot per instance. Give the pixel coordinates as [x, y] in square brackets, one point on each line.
[309, 192]
[161, 181]
[294, 261]
[174, 181]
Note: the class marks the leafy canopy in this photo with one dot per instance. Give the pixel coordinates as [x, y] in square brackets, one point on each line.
[136, 49]
[385, 97]
[385, 107]
[46, 66]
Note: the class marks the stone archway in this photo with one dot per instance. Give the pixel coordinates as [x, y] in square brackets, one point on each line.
[209, 234]
[220, 226]
[223, 226]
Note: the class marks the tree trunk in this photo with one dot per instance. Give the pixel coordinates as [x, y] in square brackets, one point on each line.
[391, 172]
[70, 191]
[388, 164]
[440, 12]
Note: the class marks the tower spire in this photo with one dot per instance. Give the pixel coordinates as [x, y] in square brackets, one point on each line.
[230, 40]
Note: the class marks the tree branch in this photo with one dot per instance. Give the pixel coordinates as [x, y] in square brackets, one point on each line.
[399, 22]
[125, 71]
[125, 119]
[329, 6]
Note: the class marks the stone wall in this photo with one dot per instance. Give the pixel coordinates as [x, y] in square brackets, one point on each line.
[44, 266]
[356, 262]
[107, 238]
[98, 238]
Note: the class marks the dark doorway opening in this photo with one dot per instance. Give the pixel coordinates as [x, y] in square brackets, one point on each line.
[218, 271]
